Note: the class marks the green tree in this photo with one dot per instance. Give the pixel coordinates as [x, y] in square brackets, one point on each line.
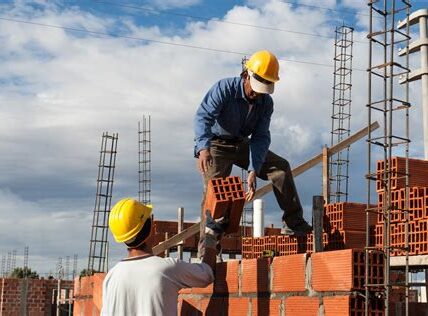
[21, 273]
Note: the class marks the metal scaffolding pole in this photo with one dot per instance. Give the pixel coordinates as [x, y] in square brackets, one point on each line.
[144, 160]
[341, 113]
[99, 235]
[391, 107]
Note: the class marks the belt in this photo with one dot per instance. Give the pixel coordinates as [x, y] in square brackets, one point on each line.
[232, 141]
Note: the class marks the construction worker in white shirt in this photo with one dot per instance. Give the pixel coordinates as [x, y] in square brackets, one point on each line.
[144, 284]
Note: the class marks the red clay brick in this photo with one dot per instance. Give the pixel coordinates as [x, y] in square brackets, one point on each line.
[237, 306]
[347, 216]
[275, 307]
[260, 306]
[301, 306]
[337, 305]
[226, 195]
[333, 270]
[227, 277]
[98, 289]
[288, 273]
[254, 277]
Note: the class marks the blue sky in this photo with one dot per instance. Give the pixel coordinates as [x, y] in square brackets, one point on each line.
[61, 89]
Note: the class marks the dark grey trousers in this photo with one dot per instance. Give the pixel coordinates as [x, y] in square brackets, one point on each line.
[276, 169]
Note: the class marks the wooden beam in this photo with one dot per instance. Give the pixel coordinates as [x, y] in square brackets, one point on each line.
[192, 230]
[176, 239]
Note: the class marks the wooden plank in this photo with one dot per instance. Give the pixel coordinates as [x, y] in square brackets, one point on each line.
[176, 239]
[192, 230]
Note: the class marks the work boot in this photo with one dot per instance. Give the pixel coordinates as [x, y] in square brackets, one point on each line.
[300, 229]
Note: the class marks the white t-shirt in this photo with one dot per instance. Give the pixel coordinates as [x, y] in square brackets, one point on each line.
[149, 285]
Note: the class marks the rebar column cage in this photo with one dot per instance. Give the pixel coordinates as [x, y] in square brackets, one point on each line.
[341, 112]
[59, 269]
[74, 266]
[3, 266]
[13, 265]
[144, 161]
[8, 263]
[25, 262]
[390, 106]
[67, 268]
[99, 234]
[247, 212]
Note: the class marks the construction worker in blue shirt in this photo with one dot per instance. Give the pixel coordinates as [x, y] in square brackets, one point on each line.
[232, 128]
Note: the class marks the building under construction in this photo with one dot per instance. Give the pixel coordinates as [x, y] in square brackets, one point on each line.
[361, 254]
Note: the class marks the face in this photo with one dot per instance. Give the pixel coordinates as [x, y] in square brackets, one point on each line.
[250, 94]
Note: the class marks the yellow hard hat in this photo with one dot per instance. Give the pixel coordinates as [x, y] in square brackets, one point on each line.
[263, 68]
[127, 218]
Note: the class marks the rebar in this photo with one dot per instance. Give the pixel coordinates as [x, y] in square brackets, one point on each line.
[144, 160]
[99, 234]
[383, 72]
[341, 113]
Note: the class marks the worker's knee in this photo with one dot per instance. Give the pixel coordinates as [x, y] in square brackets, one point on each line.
[283, 165]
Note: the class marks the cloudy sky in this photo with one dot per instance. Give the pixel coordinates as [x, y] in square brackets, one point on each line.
[71, 70]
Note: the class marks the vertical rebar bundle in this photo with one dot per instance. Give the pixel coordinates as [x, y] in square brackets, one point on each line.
[13, 262]
[25, 262]
[74, 265]
[341, 112]
[59, 269]
[8, 263]
[99, 234]
[144, 161]
[67, 268]
[390, 106]
[3, 266]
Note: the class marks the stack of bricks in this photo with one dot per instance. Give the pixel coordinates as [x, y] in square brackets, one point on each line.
[299, 284]
[30, 296]
[344, 228]
[417, 206]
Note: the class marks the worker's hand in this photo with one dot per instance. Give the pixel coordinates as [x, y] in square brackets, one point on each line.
[205, 161]
[215, 227]
[251, 184]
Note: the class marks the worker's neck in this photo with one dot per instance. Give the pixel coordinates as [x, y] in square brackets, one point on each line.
[139, 252]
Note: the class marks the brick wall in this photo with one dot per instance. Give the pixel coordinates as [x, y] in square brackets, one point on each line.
[300, 284]
[29, 296]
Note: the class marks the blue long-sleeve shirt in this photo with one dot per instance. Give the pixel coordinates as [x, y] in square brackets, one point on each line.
[224, 113]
